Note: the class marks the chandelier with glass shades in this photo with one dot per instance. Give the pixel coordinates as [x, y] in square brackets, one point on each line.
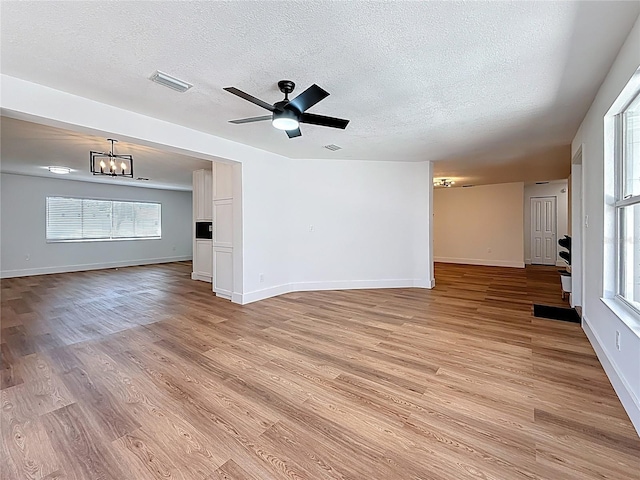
[108, 163]
[443, 182]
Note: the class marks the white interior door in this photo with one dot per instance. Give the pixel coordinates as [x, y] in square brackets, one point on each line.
[543, 230]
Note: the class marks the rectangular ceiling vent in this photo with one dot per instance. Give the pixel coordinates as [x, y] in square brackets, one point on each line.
[541, 183]
[332, 147]
[168, 81]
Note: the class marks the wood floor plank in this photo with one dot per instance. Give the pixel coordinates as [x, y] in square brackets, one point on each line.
[232, 471]
[79, 447]
[10, 375]
[162, 380]
[27, 451]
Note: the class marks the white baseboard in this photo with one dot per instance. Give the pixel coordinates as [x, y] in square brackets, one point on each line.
[333, 285]
[480, 261]
[559, 263]
[222, 293]
[201, 277]
[236, 298]
[256, 295]
[28, 272]
[629, 401]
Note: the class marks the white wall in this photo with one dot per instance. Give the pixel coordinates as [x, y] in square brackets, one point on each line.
[599, 321]
[479, 225]
[327, 224]
[552, 189]
[22, 228]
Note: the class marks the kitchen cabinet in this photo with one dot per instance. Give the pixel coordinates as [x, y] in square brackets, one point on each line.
[203, 195]
[202, 212]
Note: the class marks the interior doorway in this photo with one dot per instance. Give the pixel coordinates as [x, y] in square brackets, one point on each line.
[543, 230]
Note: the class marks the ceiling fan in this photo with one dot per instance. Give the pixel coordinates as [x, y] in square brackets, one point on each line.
[288, 114]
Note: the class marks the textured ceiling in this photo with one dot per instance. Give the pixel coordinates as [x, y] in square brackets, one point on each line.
[29, 148]
[481, 84]
[551, 163]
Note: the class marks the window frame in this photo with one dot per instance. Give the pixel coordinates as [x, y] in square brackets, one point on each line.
[621, 202]
[111, 238]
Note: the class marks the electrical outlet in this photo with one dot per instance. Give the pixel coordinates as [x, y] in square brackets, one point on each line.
[489, 250]
[311, 228]
[617, 340]
[27, 257]
[586, 221]
[173, 248]
[261, 277]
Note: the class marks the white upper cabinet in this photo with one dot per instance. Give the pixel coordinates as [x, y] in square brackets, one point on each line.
[203, 195]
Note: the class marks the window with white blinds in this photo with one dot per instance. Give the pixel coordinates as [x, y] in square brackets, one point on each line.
[81, 219]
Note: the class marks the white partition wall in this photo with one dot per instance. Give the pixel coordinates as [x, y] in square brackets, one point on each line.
[335, 224]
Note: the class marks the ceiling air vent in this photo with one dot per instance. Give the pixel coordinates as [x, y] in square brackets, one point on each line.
[467, 186]
[332, 147]
[541, 183]
[169, 81]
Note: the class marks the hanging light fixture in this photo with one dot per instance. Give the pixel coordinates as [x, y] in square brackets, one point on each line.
[108, 163]
[443, 182]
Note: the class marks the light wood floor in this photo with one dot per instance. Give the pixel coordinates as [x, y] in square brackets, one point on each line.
[141, 373]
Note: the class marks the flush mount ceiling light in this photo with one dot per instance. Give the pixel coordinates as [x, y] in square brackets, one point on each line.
[108, 163]
[443, 182]
[59, 170]
[171, 82]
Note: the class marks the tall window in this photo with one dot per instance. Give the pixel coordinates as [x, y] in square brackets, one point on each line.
[628, 202]
[85, 219]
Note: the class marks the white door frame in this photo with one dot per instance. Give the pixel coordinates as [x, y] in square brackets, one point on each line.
[577, 230]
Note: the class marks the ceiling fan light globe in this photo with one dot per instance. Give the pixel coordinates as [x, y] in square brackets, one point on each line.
[284, 123]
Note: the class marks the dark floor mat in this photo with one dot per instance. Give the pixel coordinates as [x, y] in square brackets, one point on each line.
[556, 313]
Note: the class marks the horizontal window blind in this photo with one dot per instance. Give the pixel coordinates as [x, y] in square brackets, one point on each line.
[88, 219]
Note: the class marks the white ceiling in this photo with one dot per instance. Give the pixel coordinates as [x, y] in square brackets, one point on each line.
[29, 148]
[484, 85]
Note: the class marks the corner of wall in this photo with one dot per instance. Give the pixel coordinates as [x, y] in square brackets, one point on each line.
[630, 402]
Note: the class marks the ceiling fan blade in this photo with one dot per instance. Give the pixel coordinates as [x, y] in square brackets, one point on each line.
[324, 121]
[250, 120]
[309, 98]
[294, 133]
[249, 98]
